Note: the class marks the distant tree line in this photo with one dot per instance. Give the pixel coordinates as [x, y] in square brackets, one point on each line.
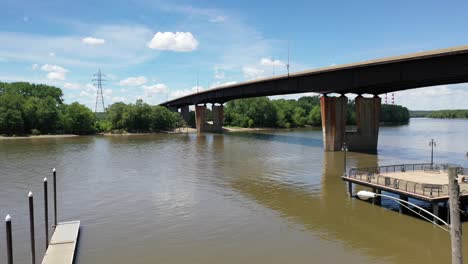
[39, 109]
[281, 113]
[139, 117]
[449, 114]
[460, 113]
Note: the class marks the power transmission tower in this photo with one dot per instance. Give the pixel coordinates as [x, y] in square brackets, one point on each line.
[98, 81]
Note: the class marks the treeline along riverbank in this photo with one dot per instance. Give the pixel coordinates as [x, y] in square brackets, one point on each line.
[452, 114]
[34, 109]
[281, 113]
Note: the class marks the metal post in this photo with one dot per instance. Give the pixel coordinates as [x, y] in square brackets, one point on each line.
[350, 189]
[432, 143]
[46, 214]
[435, 211]
[455, 225]
[344, 148]
[31, 226]
[55, 197]
[9, 239]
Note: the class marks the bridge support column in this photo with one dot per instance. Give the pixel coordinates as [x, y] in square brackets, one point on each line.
[185, 113]
[367, 122]
[218, 118]
[333, 121]
[200, 118]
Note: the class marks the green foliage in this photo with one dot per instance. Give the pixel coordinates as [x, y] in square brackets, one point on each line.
[141, 117]
[263, 112]
[35, 108]
[394, 114]
[463, 114]
[77, 119]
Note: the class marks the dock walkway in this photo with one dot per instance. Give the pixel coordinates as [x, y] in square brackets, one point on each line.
[62, 245]
[428, 182]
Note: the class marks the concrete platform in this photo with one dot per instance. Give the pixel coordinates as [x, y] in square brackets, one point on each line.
[62, 246]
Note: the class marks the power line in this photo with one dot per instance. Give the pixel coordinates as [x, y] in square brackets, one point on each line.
[99, 94]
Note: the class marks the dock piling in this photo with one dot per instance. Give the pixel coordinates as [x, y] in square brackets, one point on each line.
[455, 225]
[55, 196]
[435, 211]
[9, 239]
[31, 227]
[401, 208]
[46, 214]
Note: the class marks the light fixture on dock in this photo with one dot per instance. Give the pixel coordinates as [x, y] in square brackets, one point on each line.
[344, 148]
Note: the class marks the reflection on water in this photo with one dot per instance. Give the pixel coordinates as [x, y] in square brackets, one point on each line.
[263, 197]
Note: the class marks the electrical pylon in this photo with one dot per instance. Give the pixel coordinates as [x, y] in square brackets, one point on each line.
[98, 81]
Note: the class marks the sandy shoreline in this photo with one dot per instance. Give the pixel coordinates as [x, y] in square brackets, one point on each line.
[38, 137]
[176, 131]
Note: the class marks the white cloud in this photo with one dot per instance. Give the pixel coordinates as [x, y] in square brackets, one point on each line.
[51, 54]
[218, 19]
[270, 62]
[93, 41]
[72, 86]
[133, 81]
[55, 72]
[150, 90]
[129, 47]
[123, 90]
[35, 66]
[252, 72]
[178, 41]
[432, 98]
[180, 93]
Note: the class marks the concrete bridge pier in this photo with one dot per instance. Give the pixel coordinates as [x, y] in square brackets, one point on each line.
[200, 118]
[333, 111]
[218, 117]
[185, 113]
[367, 121]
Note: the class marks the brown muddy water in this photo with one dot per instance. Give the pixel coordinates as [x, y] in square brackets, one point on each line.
[244, 197]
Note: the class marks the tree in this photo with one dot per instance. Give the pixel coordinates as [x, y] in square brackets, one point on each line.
[78, 119]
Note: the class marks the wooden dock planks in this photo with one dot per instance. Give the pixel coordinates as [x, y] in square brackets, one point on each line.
[62, 246]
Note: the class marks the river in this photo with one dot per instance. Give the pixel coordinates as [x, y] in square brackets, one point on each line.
[256, 197]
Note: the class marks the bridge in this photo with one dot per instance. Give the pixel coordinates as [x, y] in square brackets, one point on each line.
[373, 77]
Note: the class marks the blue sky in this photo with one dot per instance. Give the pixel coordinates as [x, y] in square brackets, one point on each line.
[154, 50]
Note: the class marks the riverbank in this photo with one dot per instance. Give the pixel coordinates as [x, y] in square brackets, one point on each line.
[38, 137]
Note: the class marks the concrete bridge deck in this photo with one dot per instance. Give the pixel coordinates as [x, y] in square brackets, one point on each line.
[62, 246]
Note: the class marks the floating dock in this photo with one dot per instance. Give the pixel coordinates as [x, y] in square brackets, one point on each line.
[63, 243]
[425, 181]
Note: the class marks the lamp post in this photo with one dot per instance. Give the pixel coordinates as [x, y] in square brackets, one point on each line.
[344, 148]
[432, 144]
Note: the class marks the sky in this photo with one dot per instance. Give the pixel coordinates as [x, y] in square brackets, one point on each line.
[158, 50]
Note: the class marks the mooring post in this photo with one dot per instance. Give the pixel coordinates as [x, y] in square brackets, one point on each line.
[455, 225]
[55, 196]
[377, 200]
[435, 211]
[350, 189]
[401, 208]
[46, 214]
[31, 227]
[9, 239]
